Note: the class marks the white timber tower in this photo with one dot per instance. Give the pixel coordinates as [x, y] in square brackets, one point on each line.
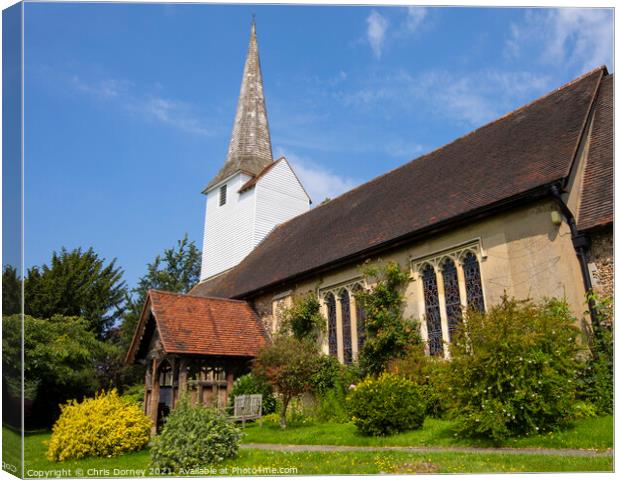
[251, 193]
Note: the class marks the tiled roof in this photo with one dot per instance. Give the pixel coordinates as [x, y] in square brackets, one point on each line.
[597, 200]
[254, 180]
[201, 326]
[510, 158]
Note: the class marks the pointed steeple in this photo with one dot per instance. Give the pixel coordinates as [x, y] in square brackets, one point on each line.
[250, 145]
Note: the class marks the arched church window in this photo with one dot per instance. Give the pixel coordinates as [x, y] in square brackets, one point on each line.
[345, 304]
[433, 317]
[360, 315]
[452, 295]
[473, 284]
[332, 340]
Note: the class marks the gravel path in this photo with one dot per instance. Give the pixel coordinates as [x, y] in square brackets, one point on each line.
[562, 452]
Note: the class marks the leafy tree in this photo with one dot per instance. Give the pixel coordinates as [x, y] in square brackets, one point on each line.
[11, 291]
[76, 284]
[303, 318]
[288, 365]
[177, 270]
[388, 334]
[60, 354]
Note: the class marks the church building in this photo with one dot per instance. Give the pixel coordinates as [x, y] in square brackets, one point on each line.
[521, 206]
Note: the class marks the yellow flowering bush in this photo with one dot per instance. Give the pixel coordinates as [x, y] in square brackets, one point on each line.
[104, 426]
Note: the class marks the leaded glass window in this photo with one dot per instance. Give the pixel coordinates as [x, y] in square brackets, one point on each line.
[473, 284]
[433, 317]
[332, 339]
[452, 295]
[361, 324]
[345, 304]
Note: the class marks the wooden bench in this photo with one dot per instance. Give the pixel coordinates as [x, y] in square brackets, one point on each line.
[247, 407]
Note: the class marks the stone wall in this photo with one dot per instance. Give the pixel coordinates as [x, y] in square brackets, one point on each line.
[601, 261]
[263, 306]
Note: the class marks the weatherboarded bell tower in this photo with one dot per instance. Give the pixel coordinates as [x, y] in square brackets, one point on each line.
[251, 193]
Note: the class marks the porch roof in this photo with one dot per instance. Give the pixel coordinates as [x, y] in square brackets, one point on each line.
[193, 325]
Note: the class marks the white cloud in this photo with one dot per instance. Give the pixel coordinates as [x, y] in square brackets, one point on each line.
[319, 182]
[107, 88]
[415, 16]
[574, 37]
[406, 150]
[174, 113]
[377, 27]
[472, 98]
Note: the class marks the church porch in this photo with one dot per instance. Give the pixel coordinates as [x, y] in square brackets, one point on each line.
[194, 346]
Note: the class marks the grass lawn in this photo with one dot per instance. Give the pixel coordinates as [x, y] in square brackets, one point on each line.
[11, 451]
[589, 433]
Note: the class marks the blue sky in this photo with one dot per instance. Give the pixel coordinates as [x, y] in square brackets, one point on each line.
[129, 108]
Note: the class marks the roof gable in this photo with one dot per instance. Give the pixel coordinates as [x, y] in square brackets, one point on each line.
[597, 201]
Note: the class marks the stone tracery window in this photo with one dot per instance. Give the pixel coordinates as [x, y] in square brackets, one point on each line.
[345, 304]
[360, 315]
[443, 297]
[452, 295]
[433, 316]
[473, 283]
[332, 339]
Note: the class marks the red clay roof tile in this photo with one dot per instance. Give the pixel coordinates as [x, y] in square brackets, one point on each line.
[597, 200]
[205, 326]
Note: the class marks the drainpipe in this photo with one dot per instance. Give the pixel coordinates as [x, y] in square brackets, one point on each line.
[580, 243]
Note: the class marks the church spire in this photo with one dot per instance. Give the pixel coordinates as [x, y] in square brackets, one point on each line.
[250, 145]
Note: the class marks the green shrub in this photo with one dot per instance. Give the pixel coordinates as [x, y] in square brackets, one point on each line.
[596, 378]
[249, 385]
[194, 436]
[430, 374]
[330, 385]
[386, 405]
[331, 406]
[513, 369]
[134, 393]
[272, 419]
[103, 426]
[327, 376]
[583, 409]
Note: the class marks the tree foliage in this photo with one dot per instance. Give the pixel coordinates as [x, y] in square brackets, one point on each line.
[60, 358]
[388, 334]
[176, 270]
[11, 291]
[76, 284]
[288, 365]
[303, 319]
